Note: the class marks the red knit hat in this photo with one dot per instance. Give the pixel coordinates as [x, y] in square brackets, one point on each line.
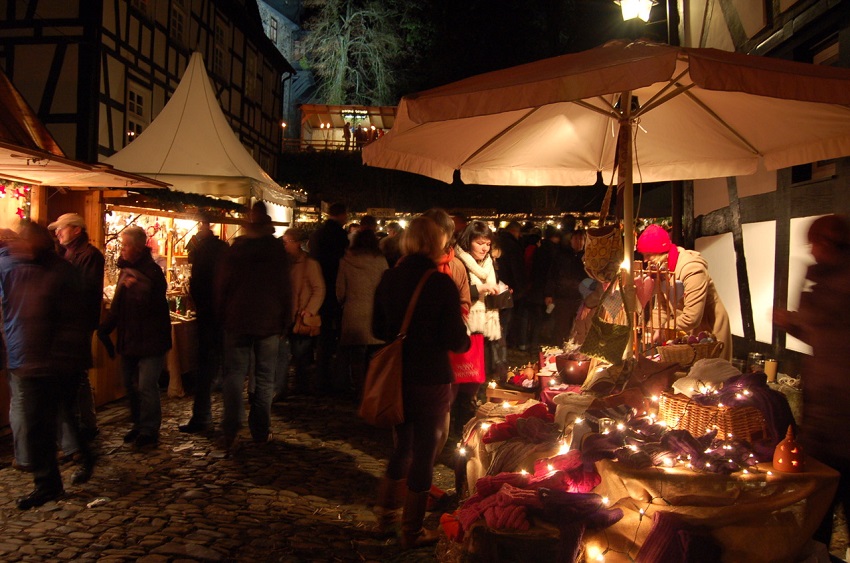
[655, 240]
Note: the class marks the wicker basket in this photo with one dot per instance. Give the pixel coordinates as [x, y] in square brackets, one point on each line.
[742, 423]
[687, 354]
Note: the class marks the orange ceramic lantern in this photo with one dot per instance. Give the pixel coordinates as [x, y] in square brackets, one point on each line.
[788, 457]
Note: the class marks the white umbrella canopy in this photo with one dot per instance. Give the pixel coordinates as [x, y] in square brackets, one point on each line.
[694, 113]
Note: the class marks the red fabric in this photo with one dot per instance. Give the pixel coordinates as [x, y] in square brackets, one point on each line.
[468, 367]
[491, 484]
[508, 429]
[451, 526]
[576, 476]
[444, 261]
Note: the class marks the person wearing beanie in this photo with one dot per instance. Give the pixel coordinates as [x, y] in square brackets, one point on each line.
[699, 308]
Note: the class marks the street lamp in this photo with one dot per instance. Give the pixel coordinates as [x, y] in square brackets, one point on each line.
[282, 135]
[636, 8]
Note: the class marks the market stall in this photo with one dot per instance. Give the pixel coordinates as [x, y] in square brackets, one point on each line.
[31, 163]
[170, 220]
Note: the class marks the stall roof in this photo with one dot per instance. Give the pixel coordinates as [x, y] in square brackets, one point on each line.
[191, 145]
[29, 153]
[314, 115]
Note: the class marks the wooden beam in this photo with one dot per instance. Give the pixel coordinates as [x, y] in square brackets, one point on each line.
[741, 261]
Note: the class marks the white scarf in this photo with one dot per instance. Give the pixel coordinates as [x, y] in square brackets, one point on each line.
[481, 319]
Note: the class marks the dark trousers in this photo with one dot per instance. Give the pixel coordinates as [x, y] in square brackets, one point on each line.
[564, 316]
[326, 349]
[45, 398]
[539, 325]
[210, 346]
[842, 497]
[421, 435]
[297, 350]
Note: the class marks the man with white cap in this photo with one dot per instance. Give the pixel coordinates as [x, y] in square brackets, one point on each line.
[71, 233]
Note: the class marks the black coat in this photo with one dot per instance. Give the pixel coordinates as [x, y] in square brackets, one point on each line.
[88, 261]
[140, 309]
[206, 258]
[255, 289]
[327, 246]
[436, 327]
[511, 264]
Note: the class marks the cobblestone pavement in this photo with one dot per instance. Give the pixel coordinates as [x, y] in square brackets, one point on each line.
[305, 496]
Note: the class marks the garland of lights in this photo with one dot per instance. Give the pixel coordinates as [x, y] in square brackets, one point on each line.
[21, 192]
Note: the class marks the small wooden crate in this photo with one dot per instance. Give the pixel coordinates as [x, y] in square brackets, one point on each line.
[680, 413]
[495, 395]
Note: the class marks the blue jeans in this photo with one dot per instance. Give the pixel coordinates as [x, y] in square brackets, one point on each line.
[141, 380]
[237, 352]
[66, 436]
[16, 420]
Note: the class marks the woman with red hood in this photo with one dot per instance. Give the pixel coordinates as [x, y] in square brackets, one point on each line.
[699, 307]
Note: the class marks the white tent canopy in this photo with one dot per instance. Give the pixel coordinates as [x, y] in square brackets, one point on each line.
[191, 146]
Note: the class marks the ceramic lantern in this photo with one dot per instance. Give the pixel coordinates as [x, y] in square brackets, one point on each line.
[788, 456]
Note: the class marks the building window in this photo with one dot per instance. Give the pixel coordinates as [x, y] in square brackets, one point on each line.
[133, 130]
[141, 5]
[137, 111]
[178, 20]
[827, 55]
[251, 74]
[219, 50]
[273, 30]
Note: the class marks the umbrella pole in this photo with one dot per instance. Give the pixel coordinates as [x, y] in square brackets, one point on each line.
[625, 178]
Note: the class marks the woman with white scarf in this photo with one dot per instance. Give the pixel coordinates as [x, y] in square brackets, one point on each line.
[473, 249]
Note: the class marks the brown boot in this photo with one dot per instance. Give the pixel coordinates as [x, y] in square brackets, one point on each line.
[412, 532]
[390, 499]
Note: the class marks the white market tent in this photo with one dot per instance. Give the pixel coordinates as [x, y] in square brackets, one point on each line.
[191, 146]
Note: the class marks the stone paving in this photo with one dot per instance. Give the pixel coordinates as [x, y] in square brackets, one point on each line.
[305, 496]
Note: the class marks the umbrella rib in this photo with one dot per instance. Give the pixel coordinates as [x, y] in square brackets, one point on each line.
[714, 115]
[654, 100]
[592, 107]
[501, 134]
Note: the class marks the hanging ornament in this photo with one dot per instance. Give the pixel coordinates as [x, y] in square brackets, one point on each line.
[788, 457]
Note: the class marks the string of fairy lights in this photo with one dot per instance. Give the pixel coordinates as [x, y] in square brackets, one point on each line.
[725, 454]
[20, 192]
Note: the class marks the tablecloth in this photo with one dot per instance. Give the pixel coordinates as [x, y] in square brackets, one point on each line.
[755, 516]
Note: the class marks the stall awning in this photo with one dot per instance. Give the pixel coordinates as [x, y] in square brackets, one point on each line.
[29, 154]
[41, 168]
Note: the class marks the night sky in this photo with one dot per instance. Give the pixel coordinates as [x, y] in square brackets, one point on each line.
[476, 36]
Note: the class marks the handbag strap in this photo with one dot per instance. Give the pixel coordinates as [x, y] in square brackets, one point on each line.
[409, 314]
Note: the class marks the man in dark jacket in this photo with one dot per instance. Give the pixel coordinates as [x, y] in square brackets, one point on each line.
[511, 271]
[255, 300]
[140, 312]
[47, 348]
[327, 245]
[562, 284]
[73, 238]
[206, 255]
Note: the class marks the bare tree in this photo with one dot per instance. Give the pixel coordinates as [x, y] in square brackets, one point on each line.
[352, 47]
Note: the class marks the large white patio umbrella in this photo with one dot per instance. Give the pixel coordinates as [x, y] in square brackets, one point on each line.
[681, 113]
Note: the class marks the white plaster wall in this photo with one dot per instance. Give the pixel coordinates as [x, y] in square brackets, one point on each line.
[719, 252]
[760, 250]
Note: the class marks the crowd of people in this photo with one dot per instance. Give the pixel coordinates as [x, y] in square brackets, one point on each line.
[316, 306]
[263, 305]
